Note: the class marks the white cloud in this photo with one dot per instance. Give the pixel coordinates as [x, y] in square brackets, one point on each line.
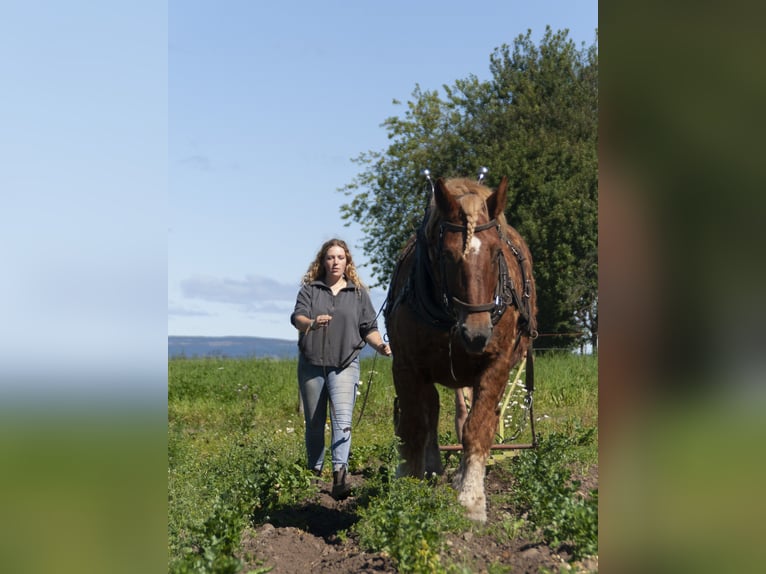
[252, 291]
[199, 162]
[179, 311]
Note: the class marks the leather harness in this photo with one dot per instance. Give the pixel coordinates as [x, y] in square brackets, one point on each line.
[436, 307]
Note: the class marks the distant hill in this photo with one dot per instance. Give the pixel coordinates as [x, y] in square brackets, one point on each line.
[237, 347]
[232, 347]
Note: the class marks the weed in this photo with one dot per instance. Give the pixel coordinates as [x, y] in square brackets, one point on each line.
[507, 528]
[407, 519]
[253, 480]
[496, 568]
[236, 455]
[546, 492]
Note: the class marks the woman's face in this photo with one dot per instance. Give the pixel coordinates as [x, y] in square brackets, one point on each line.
[335, 262]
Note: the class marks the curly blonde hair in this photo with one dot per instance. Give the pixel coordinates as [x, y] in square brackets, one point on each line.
[317, 270]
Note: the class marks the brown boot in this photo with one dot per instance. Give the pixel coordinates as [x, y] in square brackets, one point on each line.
[340, 487]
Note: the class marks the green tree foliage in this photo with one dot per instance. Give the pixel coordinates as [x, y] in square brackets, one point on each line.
[536, 122]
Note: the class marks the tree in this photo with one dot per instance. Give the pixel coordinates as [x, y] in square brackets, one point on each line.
[535, 121]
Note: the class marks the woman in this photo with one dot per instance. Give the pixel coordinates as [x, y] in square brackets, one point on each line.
[335, 317]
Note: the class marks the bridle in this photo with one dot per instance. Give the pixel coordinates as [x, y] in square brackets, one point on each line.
[503, 287]
[451, 306]
[443, 312]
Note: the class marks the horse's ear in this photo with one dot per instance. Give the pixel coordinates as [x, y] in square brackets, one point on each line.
[447, 204]
[496, 201]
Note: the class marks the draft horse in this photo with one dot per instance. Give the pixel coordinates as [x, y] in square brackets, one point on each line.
[460, 311]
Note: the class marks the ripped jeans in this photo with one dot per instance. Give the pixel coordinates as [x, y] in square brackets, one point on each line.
[320, 386]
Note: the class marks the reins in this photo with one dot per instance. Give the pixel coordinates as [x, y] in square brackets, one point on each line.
[372, 371]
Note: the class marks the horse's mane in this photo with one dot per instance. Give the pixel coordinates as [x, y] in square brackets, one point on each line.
[472, 198]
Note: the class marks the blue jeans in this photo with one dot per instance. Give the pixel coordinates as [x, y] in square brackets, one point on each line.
[317, 385]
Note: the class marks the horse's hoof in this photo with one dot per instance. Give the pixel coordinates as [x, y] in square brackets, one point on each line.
[475, 508]
[477, 515]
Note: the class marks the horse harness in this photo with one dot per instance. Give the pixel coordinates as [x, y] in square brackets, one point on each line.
[442, 312]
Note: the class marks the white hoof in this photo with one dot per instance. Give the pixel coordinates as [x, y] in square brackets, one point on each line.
[471, 490]
[475, 509]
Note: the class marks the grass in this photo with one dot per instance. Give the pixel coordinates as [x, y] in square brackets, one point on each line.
[236, 453]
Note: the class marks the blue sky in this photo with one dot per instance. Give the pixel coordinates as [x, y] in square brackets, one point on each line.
[173, 168]
[268, 102]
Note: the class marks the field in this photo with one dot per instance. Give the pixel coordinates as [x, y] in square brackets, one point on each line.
[240, 499]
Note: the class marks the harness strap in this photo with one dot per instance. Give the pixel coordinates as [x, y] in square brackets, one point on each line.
[522, 303]
[458, 227]
[474, 308]
[421, 284]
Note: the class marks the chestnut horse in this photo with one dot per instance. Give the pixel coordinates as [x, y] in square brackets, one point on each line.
[460, 312]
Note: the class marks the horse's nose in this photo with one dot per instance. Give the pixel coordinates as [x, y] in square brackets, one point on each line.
[475, 338]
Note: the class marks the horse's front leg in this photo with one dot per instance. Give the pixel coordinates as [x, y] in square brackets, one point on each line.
[417, 428]
[478, 436]
[433, 460]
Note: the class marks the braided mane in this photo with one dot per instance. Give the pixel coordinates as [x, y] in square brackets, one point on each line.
[471, 196]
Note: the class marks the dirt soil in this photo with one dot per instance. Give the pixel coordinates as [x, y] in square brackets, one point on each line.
[305, 538]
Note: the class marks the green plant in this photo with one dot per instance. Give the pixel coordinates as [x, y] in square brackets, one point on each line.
[507, 528]
[236, 455]
[545, 490]
[496, 568]
[251, 480]
[407, 520]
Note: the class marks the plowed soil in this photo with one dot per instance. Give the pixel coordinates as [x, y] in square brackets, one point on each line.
[305, 538]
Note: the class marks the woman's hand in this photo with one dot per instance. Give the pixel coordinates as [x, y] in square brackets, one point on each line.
[320, 321]
[383, 349]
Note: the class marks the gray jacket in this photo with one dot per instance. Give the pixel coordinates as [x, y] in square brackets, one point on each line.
[353, 318]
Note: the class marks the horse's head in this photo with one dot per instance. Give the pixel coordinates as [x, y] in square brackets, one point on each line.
[469, 246]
